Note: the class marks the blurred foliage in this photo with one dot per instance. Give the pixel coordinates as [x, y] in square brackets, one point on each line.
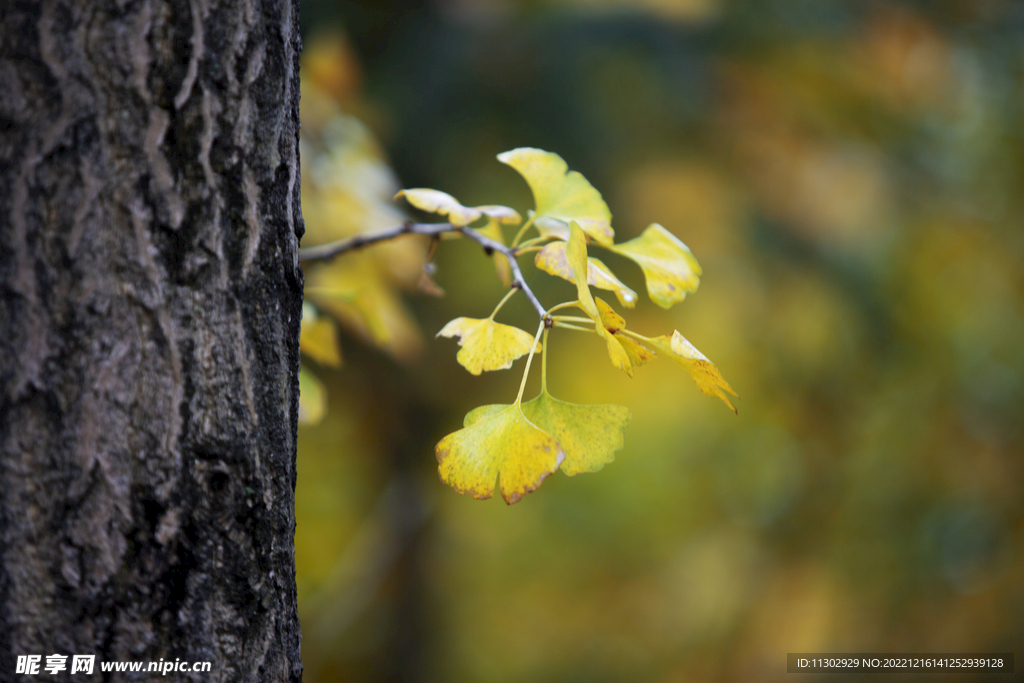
[848, 175]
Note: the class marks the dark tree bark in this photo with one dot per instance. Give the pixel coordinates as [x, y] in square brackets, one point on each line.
[150, 298]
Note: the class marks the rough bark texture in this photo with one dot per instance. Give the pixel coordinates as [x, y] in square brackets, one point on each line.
[150, 299]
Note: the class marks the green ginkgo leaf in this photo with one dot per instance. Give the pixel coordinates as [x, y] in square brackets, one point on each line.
[552, 259]
[498, 442]
[670, 269]
[487, 345]
[435, 201]
[588, 434]
[561, 194]
[312, 398]
[703, 371]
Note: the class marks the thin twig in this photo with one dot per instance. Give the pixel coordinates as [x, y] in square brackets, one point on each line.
[328, 251]
[331, 249]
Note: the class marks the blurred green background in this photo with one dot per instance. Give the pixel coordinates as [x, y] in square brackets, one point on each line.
[849, 175]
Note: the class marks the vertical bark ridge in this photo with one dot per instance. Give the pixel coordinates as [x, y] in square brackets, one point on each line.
[150, 299]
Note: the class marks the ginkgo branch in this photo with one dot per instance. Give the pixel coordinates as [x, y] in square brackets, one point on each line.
[328, 251]
[325, 252]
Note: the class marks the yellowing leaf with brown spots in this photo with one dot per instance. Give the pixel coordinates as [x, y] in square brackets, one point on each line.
[612, 321]
[318, 338]
[703, 371]
[670, 269]
[487, 345]
[638, 353]
[312, 398]
[435, 201]
[576, 255]
[561, 194]
[552, 259]
[497, 442]
[588, 434]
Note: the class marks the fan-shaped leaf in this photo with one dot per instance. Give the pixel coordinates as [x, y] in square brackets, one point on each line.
[638, 353]
[435, 201]
[561, 194]
[487, 345]
[576, 255]
[703, 371]
[588, 434]
[670, 269]
[552, 259]
[503, 214]
[500, 441]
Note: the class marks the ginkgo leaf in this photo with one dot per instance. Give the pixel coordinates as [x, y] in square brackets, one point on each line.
[576, 255]
[638, 353]
[312, 398]
[493, 231]
[703, 371]
[561, 194]
[503, 214]
[588, 434]
[318, 338]
[552, 259]
[612, 321]
[487, 345]
[670, 269]
[435, 201]
[501, 443]
[617, 354]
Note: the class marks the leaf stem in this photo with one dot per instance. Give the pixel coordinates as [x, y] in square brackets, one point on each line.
[544, 363]
[522, 230]
[572, 319]
[526, 373]
[566, 304]
[567, 326]
[502, 302]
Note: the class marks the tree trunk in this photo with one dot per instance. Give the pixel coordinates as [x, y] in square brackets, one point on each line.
[150, 298]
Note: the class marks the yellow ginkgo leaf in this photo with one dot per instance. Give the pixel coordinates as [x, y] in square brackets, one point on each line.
[435, 201]
[561, 194]
[552, 259]
[703, 371]
[588, 435]
[670, 269]
[493, 231]
[487, 345]
[617, 354]
[497, 441]
[312, 398]
[638, 353]
[318, 338]
[576, 255]
[503, 214]
[612, 321]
